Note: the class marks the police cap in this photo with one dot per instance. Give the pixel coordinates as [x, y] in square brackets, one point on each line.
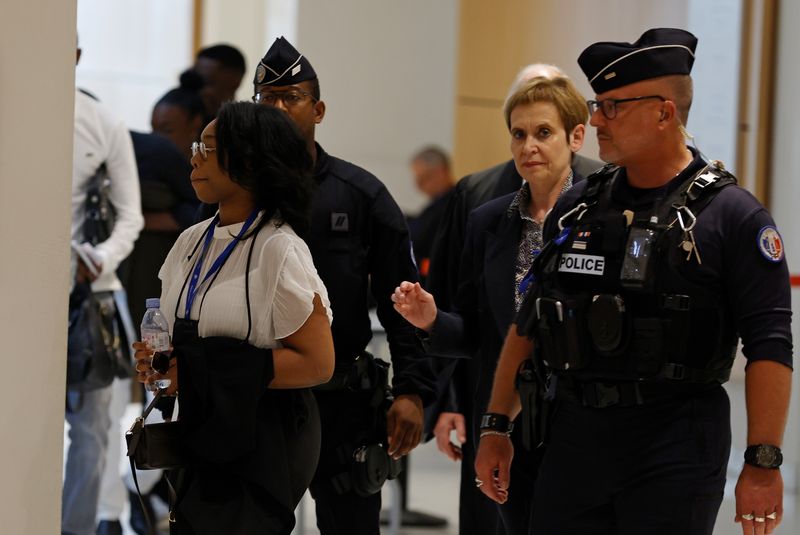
[658, 52]
[283, 65]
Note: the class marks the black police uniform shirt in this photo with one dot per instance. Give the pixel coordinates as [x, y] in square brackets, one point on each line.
[360, 244]
[753, 283]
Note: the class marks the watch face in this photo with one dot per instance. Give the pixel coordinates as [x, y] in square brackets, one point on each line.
[766, 456]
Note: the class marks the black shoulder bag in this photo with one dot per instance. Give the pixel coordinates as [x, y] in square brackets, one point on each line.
[95, 354]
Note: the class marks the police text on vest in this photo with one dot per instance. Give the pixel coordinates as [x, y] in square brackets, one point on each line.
[582, 264]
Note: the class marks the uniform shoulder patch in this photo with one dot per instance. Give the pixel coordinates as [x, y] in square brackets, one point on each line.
[340, 221]
[770, 243]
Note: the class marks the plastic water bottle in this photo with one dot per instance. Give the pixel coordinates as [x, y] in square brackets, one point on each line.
[155, 332]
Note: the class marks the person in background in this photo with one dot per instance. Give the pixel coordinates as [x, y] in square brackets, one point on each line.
[434, 179]
[100, 139]
[222, 67]
[250, 324]
[179, 114]
[546, 119]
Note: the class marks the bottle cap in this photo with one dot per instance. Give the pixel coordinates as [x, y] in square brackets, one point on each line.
[152, 302]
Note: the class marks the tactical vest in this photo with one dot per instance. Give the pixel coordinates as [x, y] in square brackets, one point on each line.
[611, 302]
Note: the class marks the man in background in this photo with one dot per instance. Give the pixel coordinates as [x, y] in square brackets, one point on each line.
[434, 179]
[222, 68]
[100, 139]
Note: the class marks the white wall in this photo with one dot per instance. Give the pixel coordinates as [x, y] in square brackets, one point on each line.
[387, 75]
[251, 27]
[133, 53]
[714, 116]
[37, 44]
[785, 192]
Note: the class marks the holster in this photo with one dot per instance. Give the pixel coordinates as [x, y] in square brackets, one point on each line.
[535, 413]
[365, 460]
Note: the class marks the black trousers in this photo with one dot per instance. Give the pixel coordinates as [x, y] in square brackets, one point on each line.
[345, 416]
[477, 514]
[657, 469]
[212, 502]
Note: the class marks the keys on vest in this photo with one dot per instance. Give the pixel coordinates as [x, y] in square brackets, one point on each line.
[688, 244]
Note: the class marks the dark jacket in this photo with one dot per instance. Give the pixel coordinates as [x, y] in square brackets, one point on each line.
[360, 244]
[470, 192]
[483, 308]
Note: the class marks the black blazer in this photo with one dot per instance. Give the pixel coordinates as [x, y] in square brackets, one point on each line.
[483, 308]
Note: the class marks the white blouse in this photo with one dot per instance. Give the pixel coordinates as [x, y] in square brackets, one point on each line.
[283, 281]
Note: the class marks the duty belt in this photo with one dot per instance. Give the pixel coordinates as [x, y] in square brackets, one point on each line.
[603, 394]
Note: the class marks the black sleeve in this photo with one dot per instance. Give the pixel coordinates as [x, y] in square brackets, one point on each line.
[758, 288]
[391, 262]
[455, 334]
[447, 246]
[175, 172]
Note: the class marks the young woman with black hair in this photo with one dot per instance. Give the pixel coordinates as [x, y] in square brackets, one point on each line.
[250, 321]
[179, 115]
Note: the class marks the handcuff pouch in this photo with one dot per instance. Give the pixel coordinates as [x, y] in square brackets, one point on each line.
[559, 331]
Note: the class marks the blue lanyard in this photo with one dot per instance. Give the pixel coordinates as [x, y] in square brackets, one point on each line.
[191, 293]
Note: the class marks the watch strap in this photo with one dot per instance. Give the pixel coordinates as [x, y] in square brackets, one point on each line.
[493, 421]
[763, 456]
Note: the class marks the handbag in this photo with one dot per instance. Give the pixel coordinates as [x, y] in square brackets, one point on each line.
[155, 446]
[100, 215]
[94, 352]
[94, 348]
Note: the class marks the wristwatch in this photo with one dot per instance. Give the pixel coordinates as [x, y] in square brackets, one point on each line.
[492, 421]
[763, 456]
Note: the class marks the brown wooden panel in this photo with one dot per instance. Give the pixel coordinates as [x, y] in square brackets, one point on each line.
[481, 139]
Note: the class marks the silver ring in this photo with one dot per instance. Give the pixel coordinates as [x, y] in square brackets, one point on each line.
[773, 515]
[760, 519]
[748, 516]
[478, 482]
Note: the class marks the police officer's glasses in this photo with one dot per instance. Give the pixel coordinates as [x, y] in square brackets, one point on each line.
[609, 105]
[199, 146]
[290, 99]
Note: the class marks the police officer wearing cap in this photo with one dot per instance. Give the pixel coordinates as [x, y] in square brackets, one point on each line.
[657, 265]
[360, 244]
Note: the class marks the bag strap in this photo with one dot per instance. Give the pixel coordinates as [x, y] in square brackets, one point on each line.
[173, 496]
[97, 206]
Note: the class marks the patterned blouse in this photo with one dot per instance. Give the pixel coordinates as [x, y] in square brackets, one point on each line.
[531, 243]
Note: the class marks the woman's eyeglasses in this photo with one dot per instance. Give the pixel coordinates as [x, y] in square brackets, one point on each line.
[199, 146]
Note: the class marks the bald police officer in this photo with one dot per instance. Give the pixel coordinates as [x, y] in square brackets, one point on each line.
[634, 348]
[359, 242]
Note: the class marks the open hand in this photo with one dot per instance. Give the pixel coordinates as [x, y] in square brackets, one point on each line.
[416, 305]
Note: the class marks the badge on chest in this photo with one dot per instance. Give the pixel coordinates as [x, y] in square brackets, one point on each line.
[340, 222]
[582, 264]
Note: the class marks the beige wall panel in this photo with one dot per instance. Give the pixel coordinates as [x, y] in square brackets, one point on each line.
[486, 139]
[493, 43]
[498, 38]
[37, 73]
